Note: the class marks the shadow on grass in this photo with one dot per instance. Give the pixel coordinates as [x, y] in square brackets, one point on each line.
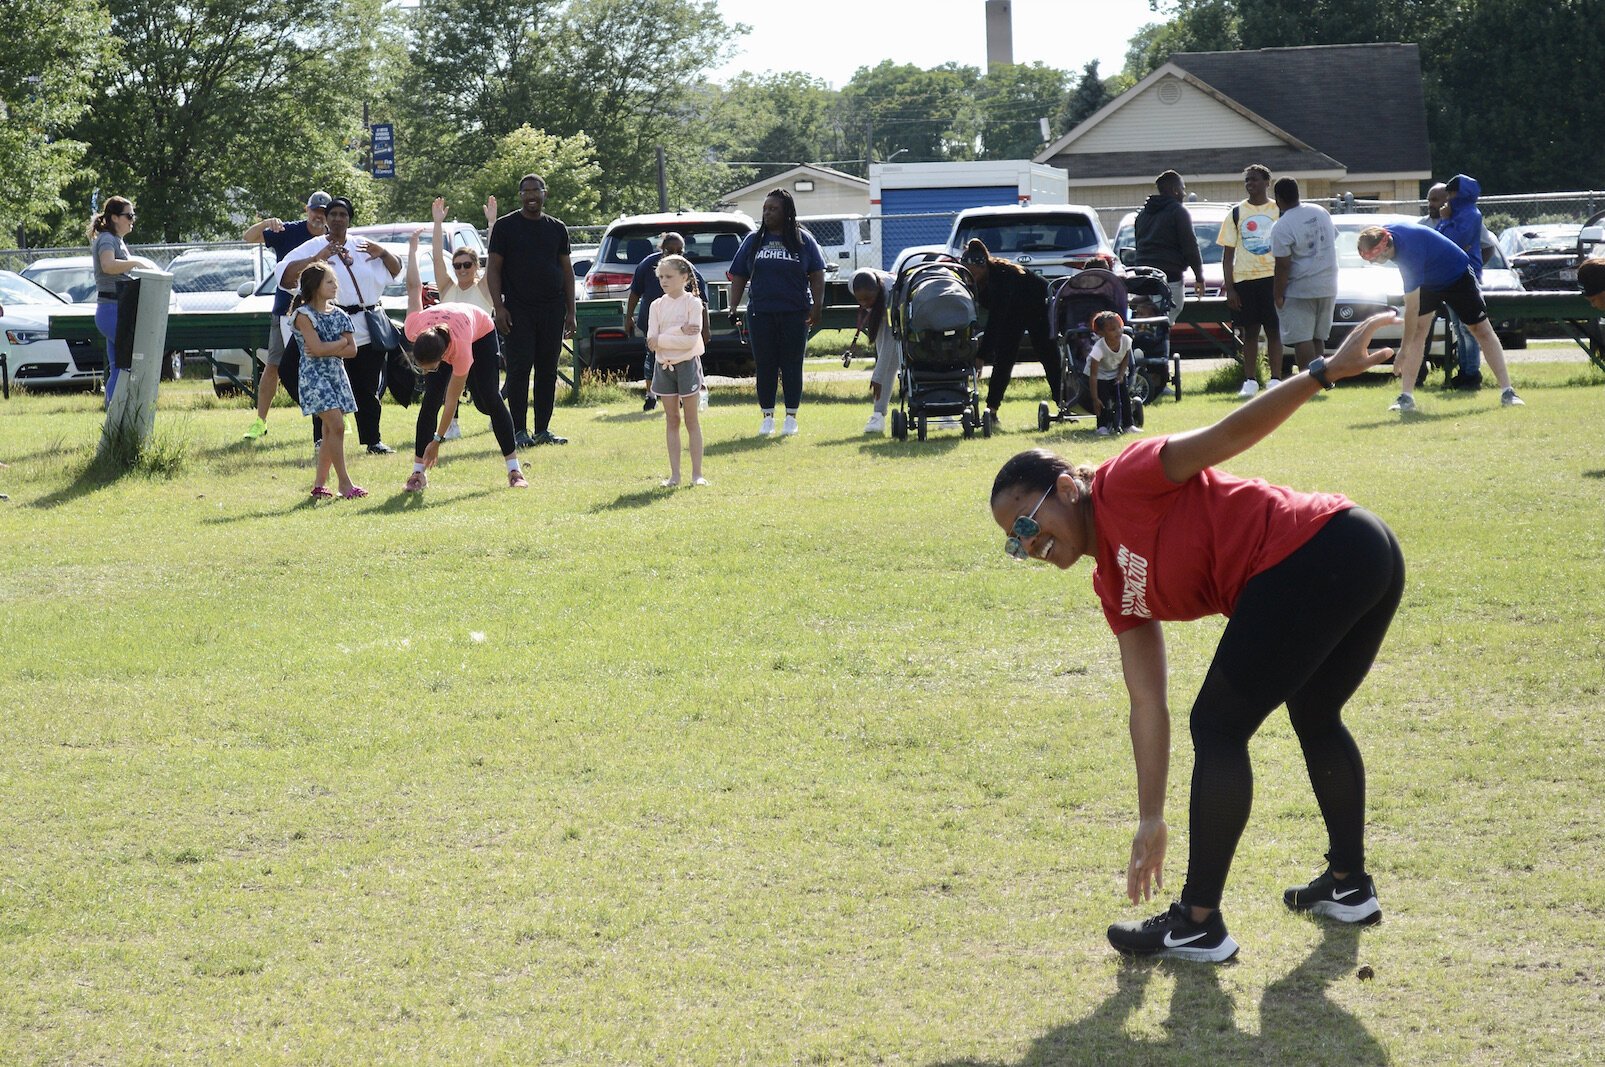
[639, 499]
[1299, 1022]
[398, 503]
[93, 476]
[1594, 474]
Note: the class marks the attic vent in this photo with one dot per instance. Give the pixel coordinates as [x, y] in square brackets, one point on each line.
[1169, 91]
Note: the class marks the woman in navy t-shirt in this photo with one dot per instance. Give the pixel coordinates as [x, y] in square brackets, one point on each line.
[787, 274]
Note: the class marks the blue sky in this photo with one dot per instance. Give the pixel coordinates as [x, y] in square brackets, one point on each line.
[831, 40]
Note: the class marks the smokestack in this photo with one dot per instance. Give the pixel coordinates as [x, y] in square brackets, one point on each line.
[999, 34]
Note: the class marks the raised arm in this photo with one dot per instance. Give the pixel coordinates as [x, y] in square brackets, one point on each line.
[253, 234]
[1185, 454]
[437, 249]
[1142, 660]
[415, 285]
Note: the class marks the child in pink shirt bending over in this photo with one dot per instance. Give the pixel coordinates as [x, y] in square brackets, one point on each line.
[676, 332]
[454, 345]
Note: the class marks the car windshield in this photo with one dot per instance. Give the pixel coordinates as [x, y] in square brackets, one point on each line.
[715, 242]
[1041, 233]
[426, 273]
[74, 283]
[1563, 239]
[15, 289]
[1203, 232]
[1348, 240]
[212, 274]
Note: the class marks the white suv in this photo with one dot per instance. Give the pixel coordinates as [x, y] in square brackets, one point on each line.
[1053, 240]
[711, 240]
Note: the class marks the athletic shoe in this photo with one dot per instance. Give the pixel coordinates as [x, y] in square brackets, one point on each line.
[1172, 934]
[1272, 383]
[1404, 405]
[547, 437]
[1352, 900]
[453, 432]
[516, 480]
[1103, 431]
[258, 429]
[522, 439]
[876, 423]
[416, 482]
[1249, 388]
[767, 426]
[1509, 399]
[702, 399]
[789, 427]
[379, 448]
[650, 402]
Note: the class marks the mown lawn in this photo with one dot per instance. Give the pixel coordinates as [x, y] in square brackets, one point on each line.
[794, 768]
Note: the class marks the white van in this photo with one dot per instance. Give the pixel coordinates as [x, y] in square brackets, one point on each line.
[844, 241]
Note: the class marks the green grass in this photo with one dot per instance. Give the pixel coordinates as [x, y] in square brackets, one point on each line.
[793, 769]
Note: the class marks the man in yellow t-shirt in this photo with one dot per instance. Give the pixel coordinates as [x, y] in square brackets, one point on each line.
[1248, 270]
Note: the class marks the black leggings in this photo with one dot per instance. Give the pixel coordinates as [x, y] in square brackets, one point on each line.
[482, 381]
[1304, 633]
[1005, 328]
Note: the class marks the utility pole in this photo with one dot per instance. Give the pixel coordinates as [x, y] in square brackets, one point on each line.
[663, 182]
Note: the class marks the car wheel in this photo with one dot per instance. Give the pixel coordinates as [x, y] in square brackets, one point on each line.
[172, 366]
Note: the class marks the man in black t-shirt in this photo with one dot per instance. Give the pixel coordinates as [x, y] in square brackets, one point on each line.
[532, 285]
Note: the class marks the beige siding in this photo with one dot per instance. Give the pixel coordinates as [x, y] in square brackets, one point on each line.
[826, 199]
[1194, 120]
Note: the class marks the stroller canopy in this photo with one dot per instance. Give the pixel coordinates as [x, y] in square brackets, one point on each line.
[938, 300]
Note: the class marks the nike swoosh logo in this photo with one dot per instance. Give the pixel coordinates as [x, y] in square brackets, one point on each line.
[1172, 941]
[1346, 893]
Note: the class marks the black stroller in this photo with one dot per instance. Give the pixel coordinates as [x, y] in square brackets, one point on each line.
[932, 317]
[1141, 299]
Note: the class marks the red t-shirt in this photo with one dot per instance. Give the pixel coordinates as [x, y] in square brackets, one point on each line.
[1177, 552]
[465, 323]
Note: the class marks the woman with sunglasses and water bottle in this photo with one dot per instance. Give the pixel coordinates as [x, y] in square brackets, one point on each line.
[1309, 582]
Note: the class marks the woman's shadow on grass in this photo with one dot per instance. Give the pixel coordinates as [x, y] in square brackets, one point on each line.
[1299, 1023]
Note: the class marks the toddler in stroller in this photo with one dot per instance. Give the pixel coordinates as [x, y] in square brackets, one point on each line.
[1140, 300]
[933, 319]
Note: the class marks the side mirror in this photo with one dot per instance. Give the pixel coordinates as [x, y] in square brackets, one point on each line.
[245, 289]
[1128, 256]
[1591, 237]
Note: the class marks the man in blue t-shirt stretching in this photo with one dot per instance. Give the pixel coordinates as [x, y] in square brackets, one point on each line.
[1436, 272]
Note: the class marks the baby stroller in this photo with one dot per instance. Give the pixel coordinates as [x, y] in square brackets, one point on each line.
[1141, 300]
[933, 319]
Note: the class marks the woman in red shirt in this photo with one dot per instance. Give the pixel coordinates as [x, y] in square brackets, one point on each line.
[1312, 575]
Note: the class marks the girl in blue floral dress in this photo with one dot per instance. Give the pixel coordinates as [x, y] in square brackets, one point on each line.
[325, 334]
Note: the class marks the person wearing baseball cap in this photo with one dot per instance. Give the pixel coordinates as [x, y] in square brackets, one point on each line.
[1591, 275]
[281, 237]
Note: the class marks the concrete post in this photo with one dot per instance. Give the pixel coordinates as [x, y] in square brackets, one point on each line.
[132, 411]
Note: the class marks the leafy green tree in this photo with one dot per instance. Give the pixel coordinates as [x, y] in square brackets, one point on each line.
[51, 53]
[903, 108]
[1010, 103]
[1090, 94]
[568, 164]
[1193, 26]
[226, 105]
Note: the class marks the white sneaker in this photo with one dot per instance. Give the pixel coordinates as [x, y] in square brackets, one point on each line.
[1272, 384]
[454, 431]
[1103, 431]
[1404, 405]
[876, 423]
[702, 400]
[789, 427]
[1249, 388]
[1509, 399]
[767, 426]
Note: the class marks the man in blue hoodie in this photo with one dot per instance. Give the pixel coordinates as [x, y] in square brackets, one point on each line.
[1452, 208]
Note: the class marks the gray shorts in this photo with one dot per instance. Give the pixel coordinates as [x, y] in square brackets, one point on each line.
[275, 348]
[1306, 318]
[682, 379]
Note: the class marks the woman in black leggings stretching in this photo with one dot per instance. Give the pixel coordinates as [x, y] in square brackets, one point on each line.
[454, 345]
[1017, 304]
[1310, 575]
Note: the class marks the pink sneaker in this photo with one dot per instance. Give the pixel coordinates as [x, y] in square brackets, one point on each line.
[416, 482]
[356, 492]
[516, 480]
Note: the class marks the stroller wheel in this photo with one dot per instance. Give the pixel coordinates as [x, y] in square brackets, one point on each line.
[921, 429]
[1044, 416]
[988, 421]
[899, 426]
[967, 424]
[1136, 411]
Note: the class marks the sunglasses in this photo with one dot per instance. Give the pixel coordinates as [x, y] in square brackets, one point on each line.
[1025, 527]
[465, 265]
[129, 215]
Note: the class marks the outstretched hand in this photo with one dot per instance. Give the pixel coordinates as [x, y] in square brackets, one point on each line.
[1145, 871]
[437, 209]
[490, 211]
[1355, 355]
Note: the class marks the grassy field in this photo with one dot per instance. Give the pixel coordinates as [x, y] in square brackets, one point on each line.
[796, 768]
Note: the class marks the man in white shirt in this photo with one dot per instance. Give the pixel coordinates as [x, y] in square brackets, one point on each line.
[1304, 242]
[363, 269]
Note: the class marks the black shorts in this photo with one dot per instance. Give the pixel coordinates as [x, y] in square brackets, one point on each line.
[1258, 297]
[1463, 296]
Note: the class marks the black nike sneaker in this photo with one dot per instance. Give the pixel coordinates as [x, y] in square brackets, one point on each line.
[1349, 900]
[1171, 933]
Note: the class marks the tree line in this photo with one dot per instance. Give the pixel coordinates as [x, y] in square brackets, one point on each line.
[211, 112]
